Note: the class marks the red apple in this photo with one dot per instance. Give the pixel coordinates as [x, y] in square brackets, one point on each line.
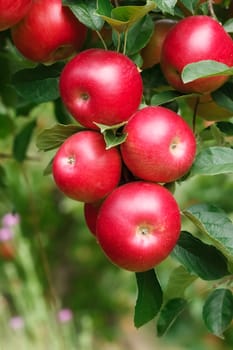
[84, 170]
[101, 86]
[12, 11]
[160, 146]
[152, 51]
[49, 32]
[194, 39]
[91, 211]
[138, 225]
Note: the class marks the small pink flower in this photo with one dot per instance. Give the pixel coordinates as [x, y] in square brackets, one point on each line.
[5, 234]
[16, 322]
[65, 315]
[10, 220]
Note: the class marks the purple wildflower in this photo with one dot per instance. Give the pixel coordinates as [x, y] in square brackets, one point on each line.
[65, 315]
[10, 220]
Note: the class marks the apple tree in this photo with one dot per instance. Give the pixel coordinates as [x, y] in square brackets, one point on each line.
[172, 58]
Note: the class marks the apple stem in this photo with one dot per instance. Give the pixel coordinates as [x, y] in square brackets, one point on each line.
[195, 112]
[211, 9]
[101, 39]
[116, 3]
[125, 41]
[118, 41]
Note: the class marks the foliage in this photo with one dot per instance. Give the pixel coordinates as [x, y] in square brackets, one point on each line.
[33, 118]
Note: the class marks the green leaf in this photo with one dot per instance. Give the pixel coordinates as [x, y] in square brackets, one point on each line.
[225, 127]
[179, 280]
[85, 11]
[149, 298]
[199, 258]
[224, 96]
[112, 134]
[123, 17]
[61, 113]
[168, 96]
[22, 141]
[169, 313]
[53, 137]
[228, 25]
[166, 6]
[48, 168]
[139, 35]
[218, 311]
[215, 225]
[38, 84]
[212, 161]
[104, 7]
[190, 5]
[203, 69]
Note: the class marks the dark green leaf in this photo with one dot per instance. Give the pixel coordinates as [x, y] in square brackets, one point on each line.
[112, 136]
[167, 96]
[149, 298]
[61, 113]
[85, 11]
[22, 141]
[38, 84]
[190, 5]
[199, 258]
[228, 25]
[215, 225]
[169, 313]
[104, 7]
[48, 169]
[53, 137]
[224, 96]
[212, 161]
[179, 280]
[166, 6]
[218, 311]
[205, 68]
[225, 127]
[139, 35]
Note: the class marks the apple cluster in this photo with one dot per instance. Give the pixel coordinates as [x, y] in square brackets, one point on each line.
[135, 219]
[127, 206]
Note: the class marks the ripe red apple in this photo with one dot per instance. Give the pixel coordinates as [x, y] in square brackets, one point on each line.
[193, 39]
[101, 86]
[91, 211]
[84, 170]
[12, 11]
[160, 146]
[152, 51]
[49, 32]
[138, 225]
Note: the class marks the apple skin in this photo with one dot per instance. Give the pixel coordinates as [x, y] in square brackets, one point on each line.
[101, 86]
[193, 39]
[138, 225]
[152, 51]
[160, 146]
[91, 211]
[83, 169]
[45, 37]
[12, 11]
